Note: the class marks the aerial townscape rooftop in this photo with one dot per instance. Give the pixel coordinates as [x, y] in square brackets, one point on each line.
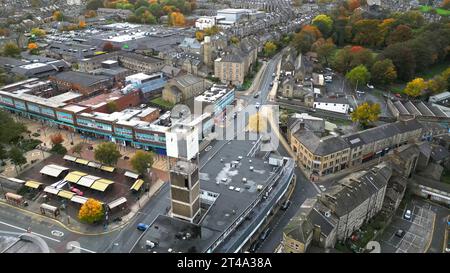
[225, 126]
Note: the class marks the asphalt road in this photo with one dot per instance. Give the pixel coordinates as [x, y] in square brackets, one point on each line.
[58, 238]
[129, 235]
[303, 188]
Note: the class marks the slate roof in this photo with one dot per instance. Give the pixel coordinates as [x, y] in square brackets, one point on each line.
[318, 146]
[384, 131]
[82, 79]
[187, 80]
[439, 153]
[354, 189]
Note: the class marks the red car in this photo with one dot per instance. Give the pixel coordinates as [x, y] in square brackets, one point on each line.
[398, 95]
[77, 191]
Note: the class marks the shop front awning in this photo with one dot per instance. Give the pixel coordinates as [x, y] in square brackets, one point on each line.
[66, 194]
[51, 190]
[70, 158]
[33, 184]
[82, 161]
[137, 185]
[73, 177]
[53, 170]
[107, 169]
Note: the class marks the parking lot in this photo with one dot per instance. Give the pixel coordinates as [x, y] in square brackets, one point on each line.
[418, 230]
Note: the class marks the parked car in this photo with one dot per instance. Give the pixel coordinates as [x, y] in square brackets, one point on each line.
[407, 215]
[400, 233]
[142, 227]
[77, 191]
[398, 95]
[264, 234]
[255, 246]
[285, 205]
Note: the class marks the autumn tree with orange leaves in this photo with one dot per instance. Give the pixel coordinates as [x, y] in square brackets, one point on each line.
[353, 4]
[57, 139]
[32, 46]
[82, 24]
[177, 19]
[91, 211]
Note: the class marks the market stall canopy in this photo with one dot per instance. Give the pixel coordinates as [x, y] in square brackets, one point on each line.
[70, 158]
[107, 168]
[87, 180]
[51, 190]
[53, 170]
[79, 199]
[94, 164]
[33, 184]
[131, 175]
[73, 177]
[82, 161]
[66, 194]
[117, 202]
[137, 185]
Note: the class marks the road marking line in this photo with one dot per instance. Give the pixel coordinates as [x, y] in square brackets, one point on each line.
[81, 248]
[37, 234]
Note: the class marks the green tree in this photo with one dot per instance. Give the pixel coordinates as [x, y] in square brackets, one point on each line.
[211, 30]
[11, 49]
[141, 3]
[234, 40]
[17, 158]
[400, 34]
[94, 5]
[324, 49]
[358, 75]
[438, 84]
[366, 113]
[10, 131]
[403, 58]
[59, 149]
[78, 149]
[111, 106]
[383, 72]
[367, 32]
[38, 32]
[58, 16]
[3, 154]
[412, 18]
[142, 161]
[270, 48]
[107, 153]
[304, 39]
[324, 23]
[415, 87]
[156, 10]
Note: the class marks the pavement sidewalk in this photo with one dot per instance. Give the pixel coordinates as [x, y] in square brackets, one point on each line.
[256, 80]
